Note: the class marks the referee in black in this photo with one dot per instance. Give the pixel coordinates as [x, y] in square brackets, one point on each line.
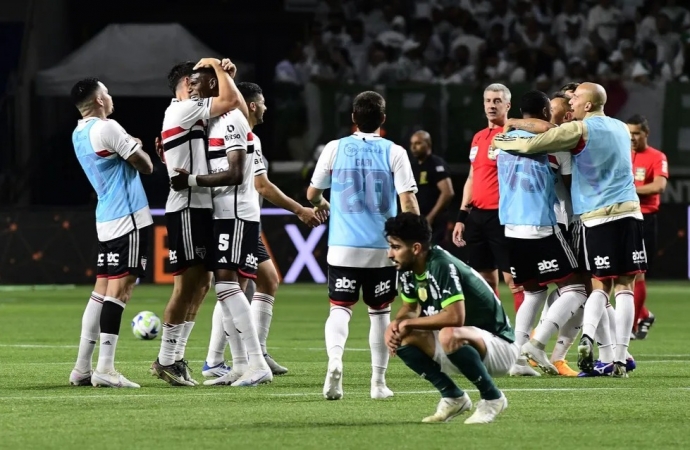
[434, 184]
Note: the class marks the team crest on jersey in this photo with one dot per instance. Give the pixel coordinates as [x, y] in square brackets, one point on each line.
[143, 262]
[201, 251]
[473, 153]
[640, 174]
[351, 150]
[421, 293]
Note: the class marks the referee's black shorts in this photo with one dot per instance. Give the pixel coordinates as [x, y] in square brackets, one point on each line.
[487, 248]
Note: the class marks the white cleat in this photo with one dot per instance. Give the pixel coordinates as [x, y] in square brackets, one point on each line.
[333, 387]
[111, 379]
[77, 378]
[521, 368]
[225, 380]
[254, 377]
[215, 371]
[487, 410]
[533, 353]
[449, 408]
[380, 391]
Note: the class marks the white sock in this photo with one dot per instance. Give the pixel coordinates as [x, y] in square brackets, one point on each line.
[337, 329]
[594, 308]
[565, 306]
[182, 342]
[524, 319]
[625, 316]
[568, 334]
[90, 328]
[171, 335]
[603, 337]
[216, 346]
[106, 353]
[235, 305]
[611, 312]
[553, 295]
[380, 319]
[262, 313]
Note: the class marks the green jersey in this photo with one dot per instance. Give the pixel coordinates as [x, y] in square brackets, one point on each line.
[448, 280]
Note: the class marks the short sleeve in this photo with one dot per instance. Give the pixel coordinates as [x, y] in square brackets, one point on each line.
[407, 291]
[402, 171]
[189, 112]
[238, 134]
[259, 166]
[565, 165]
[448, 278]
[660, 168]
[440, 170]
[321, 179]
[117, 140]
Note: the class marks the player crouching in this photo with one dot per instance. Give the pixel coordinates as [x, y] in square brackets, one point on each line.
[450, 323]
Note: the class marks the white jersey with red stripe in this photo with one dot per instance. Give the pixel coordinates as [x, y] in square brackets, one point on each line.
[561, 164]
[260, 163]
[184, 141]
[228, 133]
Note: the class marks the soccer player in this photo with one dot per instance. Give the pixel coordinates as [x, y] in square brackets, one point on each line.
[650, 169]
[451, 322]
[477, 224]
[364, 172]
[188, 211]
[112, 161]
[603, 194]
[266, 275]
[434, 184]
[539, 253]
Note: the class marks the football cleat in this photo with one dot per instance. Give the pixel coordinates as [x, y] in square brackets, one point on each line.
[600, 369]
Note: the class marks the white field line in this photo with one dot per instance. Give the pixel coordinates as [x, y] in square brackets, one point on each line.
[214, 392]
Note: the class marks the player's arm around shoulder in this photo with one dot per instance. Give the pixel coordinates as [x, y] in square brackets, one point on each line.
[403, 178]
[127, 147]
[563, 138]
[532, 125]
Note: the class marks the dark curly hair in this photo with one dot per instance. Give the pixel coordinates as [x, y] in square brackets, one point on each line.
[409, 228]
[178, 72]
[84, 90]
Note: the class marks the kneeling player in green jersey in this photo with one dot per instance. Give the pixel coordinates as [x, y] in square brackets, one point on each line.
[450, 323]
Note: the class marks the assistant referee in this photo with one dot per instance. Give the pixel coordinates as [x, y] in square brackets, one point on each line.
[477, 225]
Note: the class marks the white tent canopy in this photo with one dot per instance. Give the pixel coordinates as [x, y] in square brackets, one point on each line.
[133, 60]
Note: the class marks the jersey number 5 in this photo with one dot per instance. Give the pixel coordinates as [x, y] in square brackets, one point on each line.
[223, 242]
[365, 190]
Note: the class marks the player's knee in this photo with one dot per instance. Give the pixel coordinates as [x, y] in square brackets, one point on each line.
[121, 288]
[204, 285]
[625, 282]
[451, 339]
[267, 281]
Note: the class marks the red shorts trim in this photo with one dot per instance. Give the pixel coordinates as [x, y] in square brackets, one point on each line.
[247, 275]
[179, 272]
[341, 303]
[557, 280]
[102, 276]
[613, 277]
[117, 277]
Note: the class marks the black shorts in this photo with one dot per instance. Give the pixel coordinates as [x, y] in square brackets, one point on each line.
[650, 236]
[577, 244]
[124, 256]
[544, 260]
[378, 285]
[235, 246]
[261, 252]
[486, 241]
[615, 248]
[189, 237]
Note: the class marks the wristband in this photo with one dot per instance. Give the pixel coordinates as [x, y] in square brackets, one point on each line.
[462, 215]
[191, 181]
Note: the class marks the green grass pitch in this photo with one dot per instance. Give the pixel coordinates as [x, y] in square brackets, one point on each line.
[39, 332]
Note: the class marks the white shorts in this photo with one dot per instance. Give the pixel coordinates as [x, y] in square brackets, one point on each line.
[500, 355]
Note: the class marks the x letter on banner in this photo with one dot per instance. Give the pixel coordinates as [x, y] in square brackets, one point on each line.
[305, 255]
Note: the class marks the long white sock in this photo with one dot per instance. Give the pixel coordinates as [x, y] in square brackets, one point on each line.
[568, 335]
[235, 304]
[594, 308]
[625, 316]
[603, 337]
[524, 319]
[337, 329]
[216, 346]
[170, 337]
[380, 319]
[182, 342]
[571, 298]
[262, 314]
[240, 362]
[553, 295]
[611, 312]
[90, 328]
[111, 319]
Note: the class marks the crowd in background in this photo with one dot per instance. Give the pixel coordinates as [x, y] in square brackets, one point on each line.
[481, 41]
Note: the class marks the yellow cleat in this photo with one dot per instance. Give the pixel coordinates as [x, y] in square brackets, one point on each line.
[564, 369]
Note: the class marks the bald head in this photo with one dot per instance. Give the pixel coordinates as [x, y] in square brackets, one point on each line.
[588, 98]
[420, 144]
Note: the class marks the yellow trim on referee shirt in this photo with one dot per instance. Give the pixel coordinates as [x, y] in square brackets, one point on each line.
[453, 299]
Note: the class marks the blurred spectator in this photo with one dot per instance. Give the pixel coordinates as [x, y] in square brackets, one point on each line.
[410, 66]
[681, 65]
[574, 44]
[431, 46]
[292, 69]
[315, 44]
[357, 45]
[395, 36]
[502, 14]
[530, 34]
[570, 13]
[377, 70]
[471, 40]
[602, 24]
[335, 34]
[648, 68]
[666, 40]
[679, 15]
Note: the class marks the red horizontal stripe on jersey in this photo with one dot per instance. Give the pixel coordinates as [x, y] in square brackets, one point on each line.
[216, 142]
[199, 123]
[172, 132]
[104, 153]
[579, 147]
[553, 160]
